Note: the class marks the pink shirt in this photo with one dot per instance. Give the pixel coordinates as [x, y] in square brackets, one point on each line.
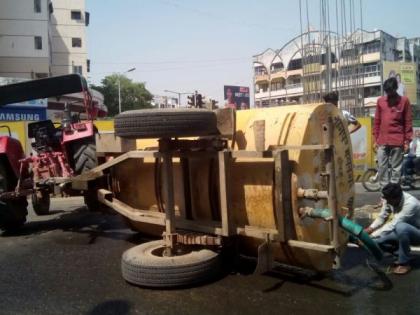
[393, 124]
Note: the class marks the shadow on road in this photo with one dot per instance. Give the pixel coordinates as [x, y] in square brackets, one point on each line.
[111, 307]
[84, 222]
[354, 275]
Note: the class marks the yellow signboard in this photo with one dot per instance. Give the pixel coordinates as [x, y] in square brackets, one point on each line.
[405, 73]
[362, 146]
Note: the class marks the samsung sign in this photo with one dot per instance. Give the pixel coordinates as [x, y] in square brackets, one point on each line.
[17, 114]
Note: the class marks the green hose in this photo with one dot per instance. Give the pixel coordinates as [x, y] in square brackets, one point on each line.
[355, 230]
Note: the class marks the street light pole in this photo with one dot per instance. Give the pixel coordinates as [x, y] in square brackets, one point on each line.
[119, 95]
[179, 95]
[119, 87]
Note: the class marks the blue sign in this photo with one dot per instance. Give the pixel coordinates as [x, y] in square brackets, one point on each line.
[22, 113]
[42, 103]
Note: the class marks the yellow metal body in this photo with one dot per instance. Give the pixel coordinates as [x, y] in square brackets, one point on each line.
[251, 180]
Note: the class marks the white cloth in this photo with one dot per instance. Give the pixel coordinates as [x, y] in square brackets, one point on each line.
[407, 211]
[414, 147]
[401, 89]
[349, 117]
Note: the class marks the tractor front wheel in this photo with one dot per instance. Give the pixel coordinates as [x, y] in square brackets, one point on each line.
[12, 212]
[41, 202]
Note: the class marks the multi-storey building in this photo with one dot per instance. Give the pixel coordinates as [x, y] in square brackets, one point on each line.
[68, 37]
[160, 101]
[279, 74]
[39, 38]
[25, 50]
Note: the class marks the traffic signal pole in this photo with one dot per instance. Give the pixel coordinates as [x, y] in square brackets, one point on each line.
[179, 95]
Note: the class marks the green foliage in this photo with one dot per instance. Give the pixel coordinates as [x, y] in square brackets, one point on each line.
[134, 95]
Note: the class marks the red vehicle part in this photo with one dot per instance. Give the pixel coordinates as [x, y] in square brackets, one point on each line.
[13, 151]
[78, 131]
[47, 165]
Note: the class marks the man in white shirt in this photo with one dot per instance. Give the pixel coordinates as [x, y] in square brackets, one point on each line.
[398, 225]
[412, 160]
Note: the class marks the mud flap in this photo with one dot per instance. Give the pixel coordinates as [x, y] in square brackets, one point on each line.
[12, 215]
[265, 259]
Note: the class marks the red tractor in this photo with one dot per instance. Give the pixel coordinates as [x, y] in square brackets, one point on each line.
[61, 151]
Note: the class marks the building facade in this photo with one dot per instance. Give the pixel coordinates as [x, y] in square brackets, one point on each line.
[40, 38]
[163, 101]
[279, 74]
[25, 51]
[68, 37]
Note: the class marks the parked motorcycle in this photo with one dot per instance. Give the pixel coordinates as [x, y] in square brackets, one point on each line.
[370, 180]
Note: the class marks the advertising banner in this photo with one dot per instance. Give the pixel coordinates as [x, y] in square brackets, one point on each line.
[236, 97]
[25, 114]
[362, 147]
[405, 73]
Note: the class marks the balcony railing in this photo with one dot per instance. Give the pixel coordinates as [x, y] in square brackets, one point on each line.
[293, 85]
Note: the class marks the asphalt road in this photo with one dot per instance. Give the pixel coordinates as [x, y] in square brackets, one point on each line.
[69, 263]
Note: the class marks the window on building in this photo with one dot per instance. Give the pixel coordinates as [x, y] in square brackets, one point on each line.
[78, 69]
[41, 75]
[324, 58]
[76, 42]
[87, 18]
[88, 65]
[372, 91]
[295, 64]
[264, 87]
[76, 15]
[38, 42]
[275, 67]
[371, 69]
[260, 70]
[277, 85]
[371, 47]
[37, 6]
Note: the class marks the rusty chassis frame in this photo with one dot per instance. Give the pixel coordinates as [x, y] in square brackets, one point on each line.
[214, 232]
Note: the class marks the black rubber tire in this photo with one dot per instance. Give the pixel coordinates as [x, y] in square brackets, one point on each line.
[84, 159]
[84, 155]
[366, 182]
[12, 212]
[41, 202]
[141, 266]
[165, 123]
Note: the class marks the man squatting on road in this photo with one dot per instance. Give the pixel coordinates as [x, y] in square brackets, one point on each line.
[397, 226]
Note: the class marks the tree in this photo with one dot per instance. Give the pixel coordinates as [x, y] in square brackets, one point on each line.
[134, 95]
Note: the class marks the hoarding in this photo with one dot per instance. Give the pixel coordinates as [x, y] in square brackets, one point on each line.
[236, 97]
[362, 147]
[22, 113]
[405, 73]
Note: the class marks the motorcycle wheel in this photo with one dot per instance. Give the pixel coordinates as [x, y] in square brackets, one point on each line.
[370, 180]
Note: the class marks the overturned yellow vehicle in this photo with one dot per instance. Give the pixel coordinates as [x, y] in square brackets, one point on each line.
[241, 180]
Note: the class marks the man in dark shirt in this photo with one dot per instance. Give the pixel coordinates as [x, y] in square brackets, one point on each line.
[393, 131]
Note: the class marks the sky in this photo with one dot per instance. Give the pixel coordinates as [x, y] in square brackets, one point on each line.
[188, 45]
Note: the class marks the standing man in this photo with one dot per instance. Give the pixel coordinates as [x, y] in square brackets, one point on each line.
[397, 226]
[393, 131]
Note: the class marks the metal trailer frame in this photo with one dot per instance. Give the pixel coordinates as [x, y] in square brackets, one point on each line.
[215, 232]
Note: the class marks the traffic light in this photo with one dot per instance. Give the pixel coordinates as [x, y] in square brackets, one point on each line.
[214, 104]
[191, 100]
[199, 101]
